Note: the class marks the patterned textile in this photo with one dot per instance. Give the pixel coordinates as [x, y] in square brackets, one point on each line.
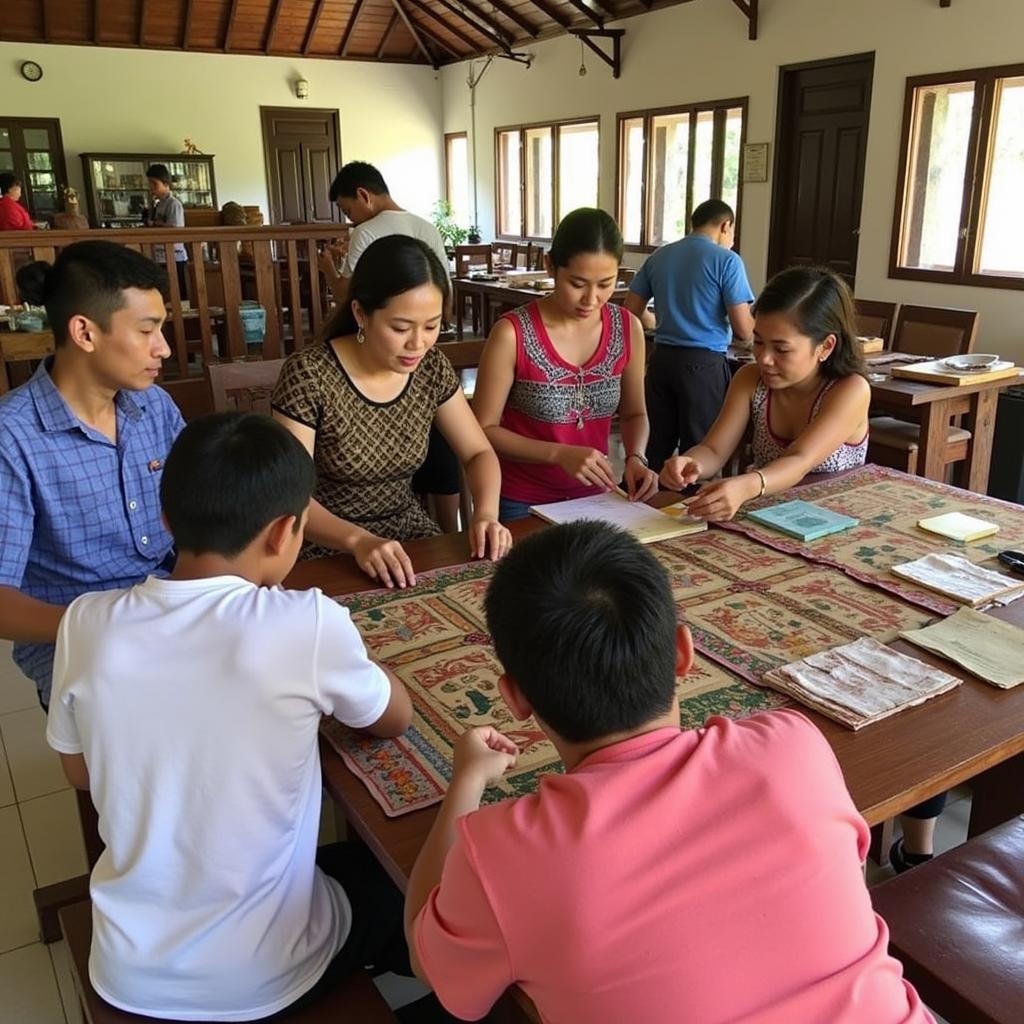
[366, 452]
[436, 641]
[767, 446]
[889, 504]
[77, 511]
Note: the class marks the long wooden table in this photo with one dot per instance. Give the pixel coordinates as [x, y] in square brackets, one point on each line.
[498, 297]
[975, 732]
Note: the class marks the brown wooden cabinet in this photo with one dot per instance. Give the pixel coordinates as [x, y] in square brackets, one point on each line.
[117, 191]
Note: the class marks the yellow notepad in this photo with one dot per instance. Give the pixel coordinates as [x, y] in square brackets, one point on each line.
[958, 526]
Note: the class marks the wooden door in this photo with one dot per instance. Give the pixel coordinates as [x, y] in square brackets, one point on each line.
[302, 157]
[31, 147]
[820, 145]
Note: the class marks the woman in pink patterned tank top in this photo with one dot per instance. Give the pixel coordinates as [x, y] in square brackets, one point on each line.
[805, 395]
[555, 372]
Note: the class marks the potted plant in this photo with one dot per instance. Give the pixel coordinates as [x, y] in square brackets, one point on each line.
[450, 232]
[473, 236]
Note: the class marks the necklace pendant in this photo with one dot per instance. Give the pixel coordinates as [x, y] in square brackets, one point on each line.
[579, 421]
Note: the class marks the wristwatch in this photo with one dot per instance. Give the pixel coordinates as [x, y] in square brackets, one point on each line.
[642, 458]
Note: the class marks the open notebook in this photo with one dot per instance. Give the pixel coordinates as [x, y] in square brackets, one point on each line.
[643, 522]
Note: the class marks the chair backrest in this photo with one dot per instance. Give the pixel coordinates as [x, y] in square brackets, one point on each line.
[626, 275]
[935, 331]
[875, 319]
[22, 347]
[467, 256]
[243, 387]
[504, 254]
[463, 355]
[534, 256]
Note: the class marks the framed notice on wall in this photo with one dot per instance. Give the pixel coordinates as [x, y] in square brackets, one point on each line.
[755, 161]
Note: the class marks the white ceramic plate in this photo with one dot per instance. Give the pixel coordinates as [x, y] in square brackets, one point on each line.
[971, 364]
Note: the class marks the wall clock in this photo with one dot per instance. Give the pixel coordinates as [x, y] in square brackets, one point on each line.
[31, 71]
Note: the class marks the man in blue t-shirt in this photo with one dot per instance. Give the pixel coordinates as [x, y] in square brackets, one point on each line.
[702, 300]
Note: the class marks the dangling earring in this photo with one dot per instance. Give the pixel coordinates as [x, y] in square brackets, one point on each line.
[360, 335]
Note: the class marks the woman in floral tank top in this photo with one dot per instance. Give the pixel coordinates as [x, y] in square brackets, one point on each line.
[555, 372]
[805, 395]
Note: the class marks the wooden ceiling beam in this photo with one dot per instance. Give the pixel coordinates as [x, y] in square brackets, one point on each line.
[749, 8]
[513, 15]
[551, 12]
[186, 29]
[589, 12]
[485, 19]
[473, 45]
[268, 36]
[498, 40]
[47, 26]
[314, 20]
[96, 21]
[226, 47]
[352, 19]
[143, 11]
[387, 35]
[412, 29]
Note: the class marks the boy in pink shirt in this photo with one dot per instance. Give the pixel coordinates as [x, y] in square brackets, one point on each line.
[668, 876]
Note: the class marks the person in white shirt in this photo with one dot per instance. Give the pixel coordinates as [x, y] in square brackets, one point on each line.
[362, 195]
[189, 707]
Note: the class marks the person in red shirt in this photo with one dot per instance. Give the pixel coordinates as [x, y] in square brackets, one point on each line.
[13, 216]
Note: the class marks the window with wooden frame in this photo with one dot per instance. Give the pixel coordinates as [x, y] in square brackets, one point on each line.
[959, 217]
[456, 177]
[543, 171]
[671, 160]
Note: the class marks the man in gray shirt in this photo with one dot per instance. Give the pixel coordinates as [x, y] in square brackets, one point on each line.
[167, 212]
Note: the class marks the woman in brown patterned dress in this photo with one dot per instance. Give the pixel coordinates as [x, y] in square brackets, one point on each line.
[362, 403]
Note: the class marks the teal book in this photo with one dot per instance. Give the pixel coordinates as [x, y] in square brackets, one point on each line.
[802, 520]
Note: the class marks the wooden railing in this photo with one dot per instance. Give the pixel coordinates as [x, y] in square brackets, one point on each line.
[276, 266]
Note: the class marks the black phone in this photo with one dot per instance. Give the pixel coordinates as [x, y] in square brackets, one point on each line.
[1013, 560]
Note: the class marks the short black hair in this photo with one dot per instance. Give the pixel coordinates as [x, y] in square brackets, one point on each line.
[355, 175]
[711, 211]
[88, 279]
[390, 266]
[585, 230]
[583, 620]
[228, 476]
[8, 181]
[160, 173]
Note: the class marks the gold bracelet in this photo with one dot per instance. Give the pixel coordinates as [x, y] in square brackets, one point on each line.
[764, 483]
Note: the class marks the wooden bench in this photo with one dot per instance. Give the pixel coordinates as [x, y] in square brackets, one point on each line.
[957, 925]
[355, 1001]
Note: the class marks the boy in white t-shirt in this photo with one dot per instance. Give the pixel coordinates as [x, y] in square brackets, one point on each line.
[189, 708]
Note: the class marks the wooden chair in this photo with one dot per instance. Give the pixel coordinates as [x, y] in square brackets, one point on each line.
[504, 254]
[935, 331]
[926, 331]
[626, 275]
[244, 387]
[467, 256]
[464, 355]
[25, 348]
[875, 319]
[355, 999]
[955, 923]
[534, 256]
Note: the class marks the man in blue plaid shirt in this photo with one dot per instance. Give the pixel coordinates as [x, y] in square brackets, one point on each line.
[82, 447]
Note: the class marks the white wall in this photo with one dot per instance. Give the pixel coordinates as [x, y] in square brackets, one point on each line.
[125, 100]
[699, 51]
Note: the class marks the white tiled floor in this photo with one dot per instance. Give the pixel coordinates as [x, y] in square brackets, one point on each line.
[41, 843]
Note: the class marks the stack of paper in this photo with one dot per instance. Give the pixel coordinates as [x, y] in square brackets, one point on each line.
[802, 520]
[960, 579]
[645, 523]
[989, 648]
[958, 526]
[859, 683]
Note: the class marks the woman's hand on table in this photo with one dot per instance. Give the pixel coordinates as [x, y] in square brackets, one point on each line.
[721, 499]
[384, 561]
[587, 465]
[679, 472]
[641, 482]
[488, 538]
[482, 756]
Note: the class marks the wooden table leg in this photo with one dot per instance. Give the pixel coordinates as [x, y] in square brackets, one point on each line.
[981, 422]
[998, 795]
[934, 431]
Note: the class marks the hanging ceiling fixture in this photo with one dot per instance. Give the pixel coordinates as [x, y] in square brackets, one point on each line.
[583, 63]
